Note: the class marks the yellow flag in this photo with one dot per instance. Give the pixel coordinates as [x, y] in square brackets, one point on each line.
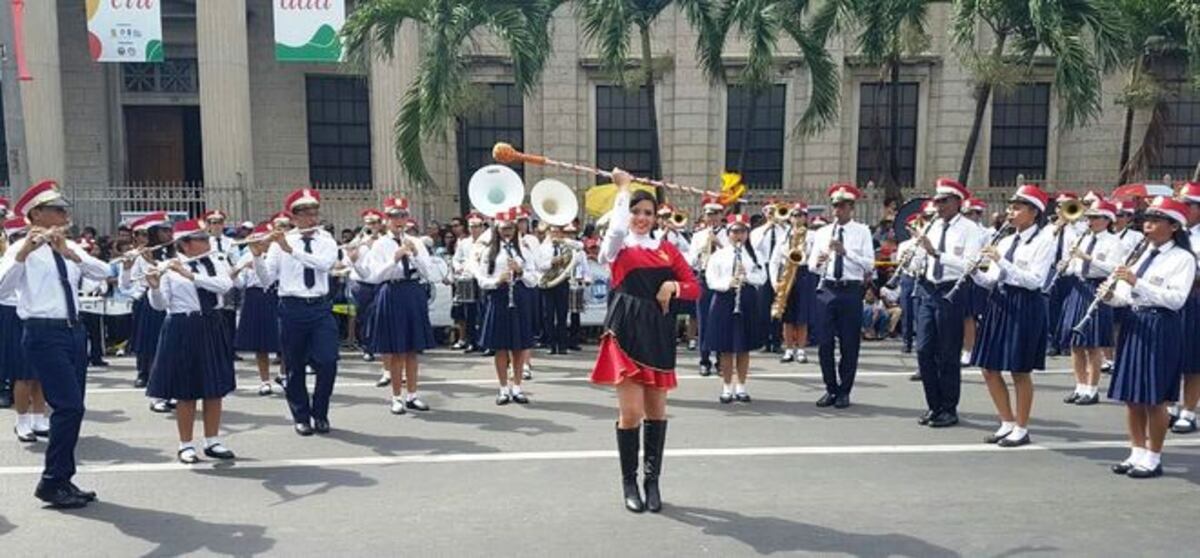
[599, 199]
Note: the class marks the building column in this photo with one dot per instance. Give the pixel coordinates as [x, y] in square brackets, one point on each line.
[41, 98]
[225, 125]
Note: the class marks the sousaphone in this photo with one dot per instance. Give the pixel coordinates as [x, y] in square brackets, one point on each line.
[554, 202]
[495, 189]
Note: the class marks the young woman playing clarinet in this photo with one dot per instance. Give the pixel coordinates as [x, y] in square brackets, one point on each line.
[733, 274]
[28, 399]
[194, 360]
[1183, 416]
[508, 273]
[1012, 335]
[1150, 349]
[1098, 254]
[258, 325]
[637, 349]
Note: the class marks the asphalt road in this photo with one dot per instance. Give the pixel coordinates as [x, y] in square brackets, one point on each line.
[776, 476]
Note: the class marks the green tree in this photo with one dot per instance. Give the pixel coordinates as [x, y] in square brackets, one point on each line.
[999, 41]
[441, 90]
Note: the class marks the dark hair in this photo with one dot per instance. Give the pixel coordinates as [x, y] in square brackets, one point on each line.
[641, 196]
[494, 249]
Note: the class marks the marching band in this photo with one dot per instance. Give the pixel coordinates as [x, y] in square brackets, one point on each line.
[1110, 282]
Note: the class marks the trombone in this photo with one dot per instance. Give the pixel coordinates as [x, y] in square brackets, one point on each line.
[1069, 212]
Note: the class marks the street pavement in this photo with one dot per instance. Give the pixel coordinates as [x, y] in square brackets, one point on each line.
[777, 476]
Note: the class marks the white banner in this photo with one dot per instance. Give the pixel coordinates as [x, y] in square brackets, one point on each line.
[307, 30]
[125, 30]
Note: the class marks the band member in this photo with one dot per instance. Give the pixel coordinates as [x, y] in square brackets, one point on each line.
[1150, 350]
[909, 273]
[530, 241]
[258, 325]
[92, 315]
[734, 273]
[764, 239]
[581, 278]
[194, 360]
[28, 400]
[704, 242]
[672, 227]
[509, 275]
[225, 248]
[1128, 234]
[6, 395]
[462, 265]
[1011, 333]
[637, 350]
[974, 210]
[1184, 417]
[1065, 235]
[400, 327]
[301, 260]
[362, 290]
[951, 243]
[43, 269]
[1097, 256]
[929, 212]
[132, 281]
[802, 293]
[560, 256]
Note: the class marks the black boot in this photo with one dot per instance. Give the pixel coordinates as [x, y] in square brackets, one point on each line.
[656, 438]
[627, 446]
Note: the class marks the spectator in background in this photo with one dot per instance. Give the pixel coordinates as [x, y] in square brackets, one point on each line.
[875, 317]
[347, 236]
[124, 233]
[891, 305]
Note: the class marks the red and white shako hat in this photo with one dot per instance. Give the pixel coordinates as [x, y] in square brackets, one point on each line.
[475, 218]
[819, 221]
[1065, 195]
[506, 217]
[1092, 195]
[44, 193]
[1190, 192]
[395, 206]
[738, 221]
[213, 216]
[665, 210]
[1169, 208]
[189, 228]
[711, 205]
[15, 225]
[1126, 207]
[304, 197]
[1102, 208]
[282, 218]
[1032, 195]
[522, 213]
[928, 208]
[912, 218]
[945, 187]
[152, 219]
[262, 228]
[974, 204]
[843, 192]
[799, 207]
[371, 215]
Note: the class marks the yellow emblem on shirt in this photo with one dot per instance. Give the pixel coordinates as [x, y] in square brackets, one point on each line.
[664, 255]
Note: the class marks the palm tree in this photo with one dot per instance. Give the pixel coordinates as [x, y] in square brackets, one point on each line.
[441, 90]
[608, 24]
[1083, 37]
[763, 23]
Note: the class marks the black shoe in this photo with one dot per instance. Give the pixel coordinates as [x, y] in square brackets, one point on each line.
[6, 399]
[89, 495]
[916, 377]
[995, 438]
[655, 441]
[1122, 468]
[26, 438]
[416, 404]
[489, 352]
[503, 399]
[160, 406]
[907, 349]
[1189, 426]
[471, 349]
[98, 364]
[41, 433]
[1072, 398]
[1011, 443]
[726, 398]
[139, 383]
[218, 451]
[188, 456]
[1139, 472]
[742, 397]
[943, 420]
[281, 381]
[841, 402]
[827, 400]
[520, 398]
[303, 429]
[575, 348]
[59, 496]
[321, 426]
[706, 370]
[925, 417]
[1085, 400]
[1052, 352]
[627, 448]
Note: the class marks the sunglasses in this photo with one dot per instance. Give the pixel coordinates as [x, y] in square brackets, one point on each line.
[643, 212]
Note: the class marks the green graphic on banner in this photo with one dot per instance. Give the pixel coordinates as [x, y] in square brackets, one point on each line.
[125, 31]
[307, 30]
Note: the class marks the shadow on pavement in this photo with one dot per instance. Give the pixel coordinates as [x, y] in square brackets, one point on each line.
[395, 445]
[177, 534]
[285, 481]
[768, 535]
[5, 526]
[499, 422]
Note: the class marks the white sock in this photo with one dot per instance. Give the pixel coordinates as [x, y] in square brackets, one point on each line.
[41, 421]
[1135, 455]
[1188, 415]
[966, 355]
[411, 395]
[1080, 389]
[210, 442]
[503, 390]
[400, 398]
[187, 445]
[1006, 428]
[726, 389]
[1151, 460]
[1173, 409]
[1017, 433]
[25, 422]
[516, 389]
[739, 388]
[799, 353]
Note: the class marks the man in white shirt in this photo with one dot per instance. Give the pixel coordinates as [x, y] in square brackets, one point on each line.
[704, 243]
[301, 260]
[463, 267]
[1064, 237]
[764, 239]
[844, 257]
[224, 249]
[43, 269]
[950, 246]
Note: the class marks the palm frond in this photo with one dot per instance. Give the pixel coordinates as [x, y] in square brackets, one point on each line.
[1077, 79]
[606, 24]
[407, 129]
[377, 23]
[824, 84]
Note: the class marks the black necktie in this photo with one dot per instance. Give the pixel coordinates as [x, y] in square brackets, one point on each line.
[63, 279]
[1087, 264]
[938, 268]
[208, 299]
[771, 249]
[310, 276]
[220, 245]
[1058, 255]
[1146, 264]
[839, 266]
[1012, 248]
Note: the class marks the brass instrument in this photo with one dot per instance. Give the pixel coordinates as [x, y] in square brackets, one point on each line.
[710, 246]
[1004, 231]
[1068, 212]
[678, 219]
[739, 277]
[795, 257]
[561, 266]
[1109, 286]
[921, 230]
[781, 213]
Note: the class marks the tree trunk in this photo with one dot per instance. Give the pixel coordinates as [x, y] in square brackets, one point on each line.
[648, 67]
[751, 111]
[983, 92]
[891, 183]
[1125, 145]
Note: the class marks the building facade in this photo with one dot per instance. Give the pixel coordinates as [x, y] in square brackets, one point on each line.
[221, 122]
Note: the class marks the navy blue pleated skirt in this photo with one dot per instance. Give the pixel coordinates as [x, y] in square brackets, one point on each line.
[1149, 362]
[13, 363]
[1012, 335]
[194, 360]
[729, 332]
[1098, 332]
[400, 320]
[364, 306]
[802, 300]
[1190, 314]
[258, 326]
[509, 329]
[977, 300]
[148, 328]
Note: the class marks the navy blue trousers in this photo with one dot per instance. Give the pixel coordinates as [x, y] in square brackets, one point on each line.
[702, 313]
[308, 335]
[772, 328]
[839, 318]
[939, 345]
[554, 308]
[908, 310]
[1058, 295]
[61, 367]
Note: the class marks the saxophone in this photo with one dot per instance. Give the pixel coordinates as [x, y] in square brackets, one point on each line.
[795, 257]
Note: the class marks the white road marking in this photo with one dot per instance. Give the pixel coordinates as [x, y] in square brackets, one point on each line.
[595, 454]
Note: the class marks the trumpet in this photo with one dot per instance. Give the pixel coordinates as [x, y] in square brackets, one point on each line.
[910, 253]
[678, 219]
[1107, 288]
[781, 213]
[1004, 231]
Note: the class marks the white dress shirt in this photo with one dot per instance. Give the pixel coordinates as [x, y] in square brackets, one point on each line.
[530, 275]
[381, 264]
[963, 240]
[1068, 239]
[859, 260]
[1129, 239]
[463, 262]
[247, 278]
[1165, 284]
[177, 294]
[289, 268]
[719, 273]
[1107, 254]
[766, 238]
[700, 242]
[779, 258]
[36, 281]
[916, 262]
[676, 238]
[1194, 238]
[225, 246]
[1030, 265]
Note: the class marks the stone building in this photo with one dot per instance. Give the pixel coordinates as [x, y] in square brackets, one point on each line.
[222, 122]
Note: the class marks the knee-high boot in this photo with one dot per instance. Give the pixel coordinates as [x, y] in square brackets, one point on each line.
[656, 438]
[627, 446]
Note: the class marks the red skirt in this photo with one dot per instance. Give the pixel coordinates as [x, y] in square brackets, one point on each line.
[613, 366]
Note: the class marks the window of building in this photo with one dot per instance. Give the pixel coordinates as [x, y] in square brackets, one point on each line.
[1181, 142]
[623, 134]
[763, 166]
[874, 132]
[170, 76]
[1020, 130]
[339, 132]
[501, 118]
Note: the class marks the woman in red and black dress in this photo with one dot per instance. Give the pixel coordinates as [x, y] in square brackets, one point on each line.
[637, 350]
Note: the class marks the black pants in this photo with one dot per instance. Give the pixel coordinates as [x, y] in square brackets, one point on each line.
[939, 345]
[839, 318]
[95, 335]
[554, 307]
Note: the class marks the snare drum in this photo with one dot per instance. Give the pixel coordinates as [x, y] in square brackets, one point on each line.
[466, 291]
[576, 301]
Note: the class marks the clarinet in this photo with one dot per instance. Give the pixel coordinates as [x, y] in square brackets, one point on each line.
[1062, 265]
[832, 239]
[906, 258]
[737, 277]
[1107, 287]
[512, 278]
[1004, 231]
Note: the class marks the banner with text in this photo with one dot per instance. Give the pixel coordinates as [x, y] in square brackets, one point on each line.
[125, 30]
[307, 30]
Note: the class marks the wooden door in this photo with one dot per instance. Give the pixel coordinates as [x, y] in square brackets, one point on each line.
[154, 144]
